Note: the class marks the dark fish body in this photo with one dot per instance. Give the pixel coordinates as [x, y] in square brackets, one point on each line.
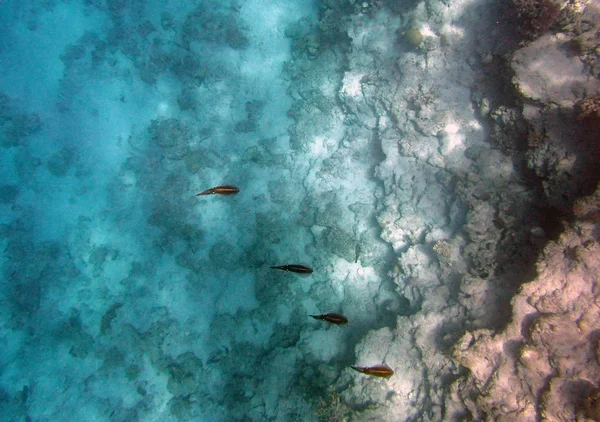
[332, 318]
[221, 190]
[382, 371]
[294, 268]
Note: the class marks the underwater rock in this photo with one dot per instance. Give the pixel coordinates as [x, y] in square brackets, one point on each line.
[72, 331]
[185, 374]
[341, 243]
[187, 99]
[60, 162]
[557, 77]
[192, 261]
[108, 317]
[372, 251]
[563, 154]
[189, 69]
[534, 18]
[18, 127]
[246, 126]
[72, 54]
[145, 28]
[167, 21]
[98, 258]
[217, 25]
[254, 109]
[329, 210]
[281, 192]
[406, 359]
[547, 345]
[588, 208]
[414, 37]
[8, 193]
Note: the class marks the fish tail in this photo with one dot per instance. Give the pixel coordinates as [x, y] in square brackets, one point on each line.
[357, 368]
[206, 192]
[315, 316]
[277, 267]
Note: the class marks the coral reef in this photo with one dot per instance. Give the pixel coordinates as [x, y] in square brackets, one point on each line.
[8, 193]
[61, 161]
[214, 25]
[535, 17]
[441, 181]
[541, 363]
[588, 110]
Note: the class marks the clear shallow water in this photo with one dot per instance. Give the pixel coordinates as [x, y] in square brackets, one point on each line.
[359, 150]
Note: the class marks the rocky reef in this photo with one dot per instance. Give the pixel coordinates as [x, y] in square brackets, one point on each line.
[435, 162]
[483, 149]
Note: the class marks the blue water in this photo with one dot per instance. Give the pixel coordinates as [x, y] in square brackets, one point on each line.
[357, 150]
[125, 296]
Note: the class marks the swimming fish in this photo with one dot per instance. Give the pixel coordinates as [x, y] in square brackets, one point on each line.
[221, 190]
[295, 268]
[382, 371]
[333, 318]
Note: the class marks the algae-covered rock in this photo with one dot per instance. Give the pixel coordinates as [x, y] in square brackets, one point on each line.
[60, 162]
[413, 37]
[108, 317]
[18, 127]
[8, 193]
[341, 243]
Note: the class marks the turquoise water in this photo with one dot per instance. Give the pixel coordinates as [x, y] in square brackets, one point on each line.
[356, 139]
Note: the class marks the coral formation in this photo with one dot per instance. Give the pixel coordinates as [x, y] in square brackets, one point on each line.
[588, 110]
[446, 204]
[414, 37]
[61, 161]
[535, 17]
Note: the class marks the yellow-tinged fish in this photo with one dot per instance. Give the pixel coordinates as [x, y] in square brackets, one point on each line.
[332, 318]
[382, 371]
[294, 268]
[221, 190]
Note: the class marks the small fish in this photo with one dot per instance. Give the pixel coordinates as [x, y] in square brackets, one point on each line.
[295, 268]
[221, 190]
[382, 370]
[333, 318]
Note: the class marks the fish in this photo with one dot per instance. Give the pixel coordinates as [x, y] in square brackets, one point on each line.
[294, 268]
[221, 190]
[333, 318]
[382, 371]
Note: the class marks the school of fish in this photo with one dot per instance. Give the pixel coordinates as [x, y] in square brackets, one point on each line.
[380, 370]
